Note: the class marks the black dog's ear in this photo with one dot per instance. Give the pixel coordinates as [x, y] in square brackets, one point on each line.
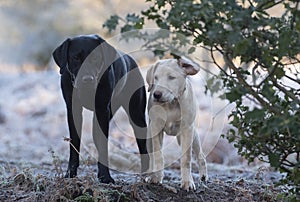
[60, 55]
[98, 38]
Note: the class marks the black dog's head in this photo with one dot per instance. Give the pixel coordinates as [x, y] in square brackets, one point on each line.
[72, 52]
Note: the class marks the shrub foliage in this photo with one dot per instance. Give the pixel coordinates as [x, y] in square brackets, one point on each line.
[261, 53]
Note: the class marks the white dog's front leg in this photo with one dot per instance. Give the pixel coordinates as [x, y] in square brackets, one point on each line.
[156, 156]
[186, 140]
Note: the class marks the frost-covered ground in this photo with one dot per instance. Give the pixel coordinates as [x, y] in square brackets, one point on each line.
[33, 121]
[33, 116]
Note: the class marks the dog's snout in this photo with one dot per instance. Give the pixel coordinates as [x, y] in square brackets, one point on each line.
[87, 79]
[157, 95]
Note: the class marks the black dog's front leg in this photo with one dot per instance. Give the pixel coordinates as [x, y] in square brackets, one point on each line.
[100, 136]
[74, 114]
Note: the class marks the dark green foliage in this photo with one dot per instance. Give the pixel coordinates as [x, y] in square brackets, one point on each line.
[112, 23]
[261, 54]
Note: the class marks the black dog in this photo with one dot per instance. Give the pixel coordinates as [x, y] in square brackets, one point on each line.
[96, 76]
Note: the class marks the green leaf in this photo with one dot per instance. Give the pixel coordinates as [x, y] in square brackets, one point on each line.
[111, 23]
[255, 114]
[191, 50]
[214, 85]
[284, 42]
[162, 24]
[244, 49]
[298, 25]
[127, 28]
[274, 159]
[279, 73]
[159, 53]
[160, 3]
[232, 96]
[133, 18]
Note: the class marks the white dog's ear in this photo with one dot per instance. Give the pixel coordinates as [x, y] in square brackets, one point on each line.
[149, 76]
[190, 67]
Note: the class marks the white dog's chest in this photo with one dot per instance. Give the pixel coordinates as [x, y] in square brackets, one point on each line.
[172, 128]
[173, 121]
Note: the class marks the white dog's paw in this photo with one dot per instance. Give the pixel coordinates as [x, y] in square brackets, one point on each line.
[155, 178]
[188, 185]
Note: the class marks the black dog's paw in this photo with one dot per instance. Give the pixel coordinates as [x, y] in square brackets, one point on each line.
[106, 179]
[70, 174]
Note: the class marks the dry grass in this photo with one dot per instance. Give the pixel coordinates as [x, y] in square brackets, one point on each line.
[45, 183]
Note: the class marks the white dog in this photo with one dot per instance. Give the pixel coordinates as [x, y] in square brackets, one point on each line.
[172, 109]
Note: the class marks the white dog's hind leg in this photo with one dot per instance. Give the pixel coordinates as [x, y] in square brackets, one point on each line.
[200, 157]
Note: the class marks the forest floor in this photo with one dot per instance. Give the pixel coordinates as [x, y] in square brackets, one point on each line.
[44, 182]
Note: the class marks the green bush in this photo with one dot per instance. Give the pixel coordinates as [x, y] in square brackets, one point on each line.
[261, 54]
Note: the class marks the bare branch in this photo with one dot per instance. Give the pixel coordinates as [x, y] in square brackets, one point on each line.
[295, 80]
[269, 3]
[228, 60]
[285, 91]
[214, 60]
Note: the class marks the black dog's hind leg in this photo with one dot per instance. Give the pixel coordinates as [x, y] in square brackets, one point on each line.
[133, 99]
[100, 135]
[137, 106]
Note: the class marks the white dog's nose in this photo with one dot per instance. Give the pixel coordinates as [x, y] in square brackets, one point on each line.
[157, 95]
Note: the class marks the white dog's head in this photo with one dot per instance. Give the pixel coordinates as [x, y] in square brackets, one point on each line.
[167, 78]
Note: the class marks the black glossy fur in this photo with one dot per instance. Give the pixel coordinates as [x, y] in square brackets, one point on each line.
[78, 78]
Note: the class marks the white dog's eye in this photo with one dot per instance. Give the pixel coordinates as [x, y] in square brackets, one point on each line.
[155, 78]
[171, 77]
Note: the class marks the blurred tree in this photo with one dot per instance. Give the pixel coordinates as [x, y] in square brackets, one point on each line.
[261, 54]
[31, 29]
